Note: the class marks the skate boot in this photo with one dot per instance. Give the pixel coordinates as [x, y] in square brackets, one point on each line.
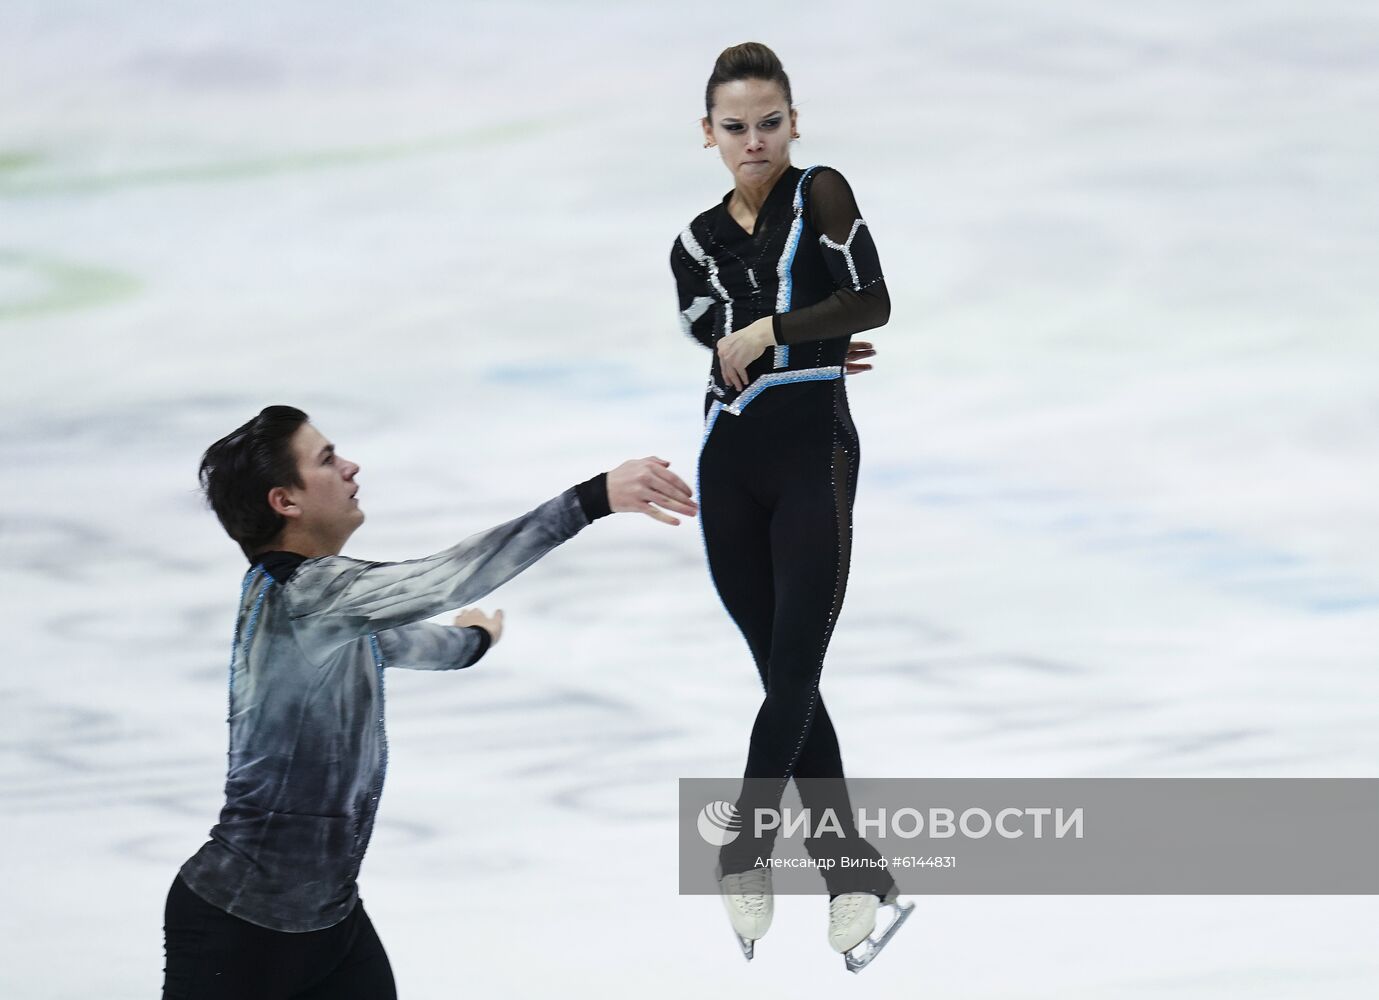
[750, 904]
[852, 925]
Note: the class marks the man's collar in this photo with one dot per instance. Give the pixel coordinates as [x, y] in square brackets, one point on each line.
[279, 565]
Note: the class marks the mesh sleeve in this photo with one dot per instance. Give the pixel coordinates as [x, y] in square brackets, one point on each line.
[698, 308]
[859, 301]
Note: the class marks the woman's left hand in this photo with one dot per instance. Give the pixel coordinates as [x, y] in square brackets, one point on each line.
[858, 352]
[741, 347]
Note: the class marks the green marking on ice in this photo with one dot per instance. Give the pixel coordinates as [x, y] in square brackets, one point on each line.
[14, 159]
[68, 286]
[264, 166]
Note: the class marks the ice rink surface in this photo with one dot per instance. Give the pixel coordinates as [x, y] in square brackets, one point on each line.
[1115, 517]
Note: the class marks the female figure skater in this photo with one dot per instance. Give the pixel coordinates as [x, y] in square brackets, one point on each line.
[774, 280]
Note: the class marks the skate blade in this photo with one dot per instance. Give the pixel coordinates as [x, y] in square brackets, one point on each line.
[859, 957]
[747, 945]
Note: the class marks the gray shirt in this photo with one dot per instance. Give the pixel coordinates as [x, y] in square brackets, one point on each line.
[308, 750]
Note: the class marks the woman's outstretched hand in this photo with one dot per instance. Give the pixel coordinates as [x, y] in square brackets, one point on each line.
[741, 347]
[643, 485]
[857, 351]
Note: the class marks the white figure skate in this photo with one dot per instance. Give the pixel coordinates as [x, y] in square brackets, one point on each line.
[852, 925]
[750, 904]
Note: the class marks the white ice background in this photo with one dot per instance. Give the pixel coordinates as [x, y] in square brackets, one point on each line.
[1116, 514]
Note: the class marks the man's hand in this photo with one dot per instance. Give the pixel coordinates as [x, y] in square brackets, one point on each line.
[857, 351]
[492, 624]
[643, 484]
[741, 347]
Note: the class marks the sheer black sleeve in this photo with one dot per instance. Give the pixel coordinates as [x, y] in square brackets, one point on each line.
[698, 307]
[860, 301]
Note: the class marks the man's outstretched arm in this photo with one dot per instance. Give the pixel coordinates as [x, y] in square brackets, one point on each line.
[427, 646]
[345, 598]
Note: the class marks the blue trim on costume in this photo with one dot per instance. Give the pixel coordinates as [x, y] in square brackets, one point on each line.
[371, 808]
[781, 378]
[235, 640]
[785, 294]
[709, 420]
[382, 730]
[254, 615]
[249, 579]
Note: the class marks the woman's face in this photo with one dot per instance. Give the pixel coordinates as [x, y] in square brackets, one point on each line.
[751, 126]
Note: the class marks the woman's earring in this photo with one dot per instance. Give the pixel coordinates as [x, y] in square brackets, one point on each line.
[794, 134]
[708, 143]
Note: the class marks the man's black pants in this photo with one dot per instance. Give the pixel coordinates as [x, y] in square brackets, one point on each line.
[212, 955]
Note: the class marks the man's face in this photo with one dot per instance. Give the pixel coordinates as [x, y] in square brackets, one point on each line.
[327, 507]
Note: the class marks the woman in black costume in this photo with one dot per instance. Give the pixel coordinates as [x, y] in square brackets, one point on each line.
[775, 279]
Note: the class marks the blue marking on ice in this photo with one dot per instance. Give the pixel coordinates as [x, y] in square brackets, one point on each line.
[1229, 562]
[576, 379]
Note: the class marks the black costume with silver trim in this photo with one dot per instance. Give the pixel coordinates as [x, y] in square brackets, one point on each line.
[778, 472]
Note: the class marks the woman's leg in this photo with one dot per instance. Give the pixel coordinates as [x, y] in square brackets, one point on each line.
[773, 537]
[810, 551]
[822, 758]
[737, 540]
[776, 510]
[809, 533]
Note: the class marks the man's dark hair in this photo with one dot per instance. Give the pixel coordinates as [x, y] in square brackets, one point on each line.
[238, 471]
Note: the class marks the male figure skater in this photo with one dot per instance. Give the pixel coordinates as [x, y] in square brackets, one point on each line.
[269, 908]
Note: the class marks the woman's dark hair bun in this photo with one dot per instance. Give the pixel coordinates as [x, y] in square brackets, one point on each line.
[748, 61]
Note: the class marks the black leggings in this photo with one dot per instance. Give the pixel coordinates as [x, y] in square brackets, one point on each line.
[776, 489]
[212, 955]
